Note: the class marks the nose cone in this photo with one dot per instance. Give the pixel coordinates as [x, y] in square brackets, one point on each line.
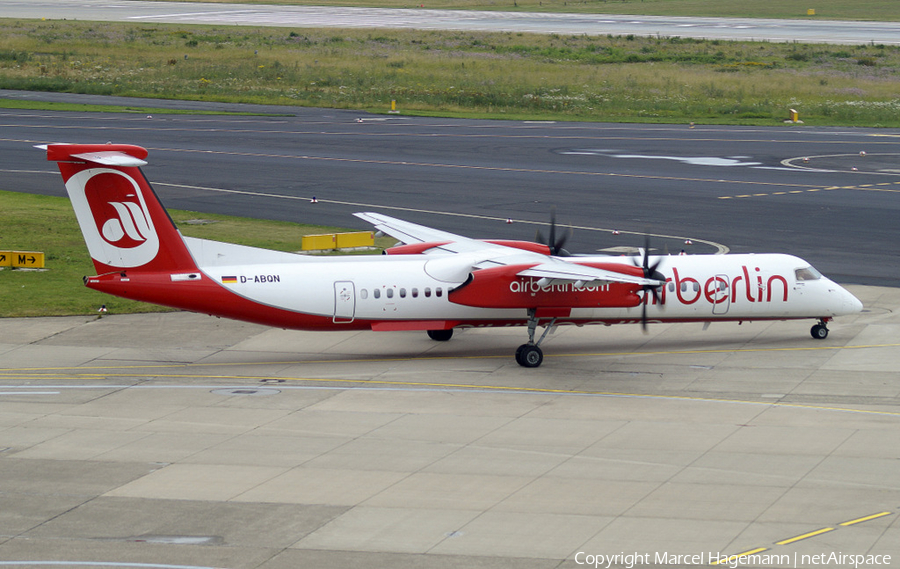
[852, 305]
[844, 303]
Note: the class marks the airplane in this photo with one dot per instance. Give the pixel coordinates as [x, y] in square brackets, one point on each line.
[435, 281]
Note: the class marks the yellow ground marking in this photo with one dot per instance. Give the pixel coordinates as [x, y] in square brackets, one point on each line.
[860, 188]
[804, 536]
[737, 556]
[731, 559]
[7, 371]
[463, 386]
[22, 374]
[865, 519]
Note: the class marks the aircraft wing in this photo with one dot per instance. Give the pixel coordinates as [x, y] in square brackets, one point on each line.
[407, 232]
[476, 255]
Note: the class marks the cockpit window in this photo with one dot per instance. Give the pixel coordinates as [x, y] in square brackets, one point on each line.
[807, 274]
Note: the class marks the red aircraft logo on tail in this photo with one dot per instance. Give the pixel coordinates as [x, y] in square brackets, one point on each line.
[127, 224]
[122, 227]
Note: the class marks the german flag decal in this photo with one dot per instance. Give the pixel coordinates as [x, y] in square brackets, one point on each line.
[229, 280]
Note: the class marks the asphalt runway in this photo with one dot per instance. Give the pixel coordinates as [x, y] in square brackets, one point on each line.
[737, 29]
[182, 441]
[828, 195]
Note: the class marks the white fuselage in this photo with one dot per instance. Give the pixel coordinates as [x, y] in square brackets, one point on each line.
[401, 287]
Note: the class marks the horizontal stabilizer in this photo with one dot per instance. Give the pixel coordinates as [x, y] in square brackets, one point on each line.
[116, 155]
[110, 159]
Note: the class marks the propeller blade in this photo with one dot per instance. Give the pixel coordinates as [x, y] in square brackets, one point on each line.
[551, 241]
[555, 245]
[650, 272]
[561, 242]
[644, 314]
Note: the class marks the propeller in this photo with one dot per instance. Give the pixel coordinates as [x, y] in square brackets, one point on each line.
[556, 245]
[650, 272]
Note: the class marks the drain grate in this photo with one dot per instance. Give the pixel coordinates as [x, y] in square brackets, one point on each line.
[178, 539]
[246, 391]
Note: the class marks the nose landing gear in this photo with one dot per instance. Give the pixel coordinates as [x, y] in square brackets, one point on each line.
[820, 330]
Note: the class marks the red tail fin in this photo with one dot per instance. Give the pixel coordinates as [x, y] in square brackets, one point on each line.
[123, 223]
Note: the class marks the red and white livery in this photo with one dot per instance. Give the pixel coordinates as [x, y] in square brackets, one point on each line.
[436, 281]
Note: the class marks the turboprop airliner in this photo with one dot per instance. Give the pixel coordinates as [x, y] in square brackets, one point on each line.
[434, 281]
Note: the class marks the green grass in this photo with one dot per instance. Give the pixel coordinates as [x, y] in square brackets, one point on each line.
[510, 75]
[41, 223]
[879, 10]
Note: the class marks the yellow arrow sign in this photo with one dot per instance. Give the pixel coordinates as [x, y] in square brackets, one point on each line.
[27, 259]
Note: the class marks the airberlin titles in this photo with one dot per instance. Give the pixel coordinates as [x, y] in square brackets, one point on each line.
[716, 289]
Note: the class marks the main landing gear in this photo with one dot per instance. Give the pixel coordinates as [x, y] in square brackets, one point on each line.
[820, 330]
[440, 335]
[530, 354]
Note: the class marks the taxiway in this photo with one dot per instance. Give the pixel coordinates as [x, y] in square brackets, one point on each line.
[180, 440]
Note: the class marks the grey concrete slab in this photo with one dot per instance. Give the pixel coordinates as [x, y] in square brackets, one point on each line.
[429, 490]
[42, 477]
[180, 482]
[581, 496]
[20, 513]
[35, 355]
[293, 558]
[234, 450]
[384, 454]
[301, 485]
[401, 530]
[514, 534]
[225, 523]
[143, 552]
[20, 331]
[265, 448]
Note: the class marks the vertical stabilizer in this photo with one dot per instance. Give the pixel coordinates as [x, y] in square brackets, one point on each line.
[123, 223]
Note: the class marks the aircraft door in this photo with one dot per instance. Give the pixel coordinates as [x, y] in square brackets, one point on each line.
[344, 302]
[721, 294]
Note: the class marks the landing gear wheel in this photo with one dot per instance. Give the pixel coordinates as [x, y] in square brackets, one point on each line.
[440, 335]
[529, 355]
[819, 332]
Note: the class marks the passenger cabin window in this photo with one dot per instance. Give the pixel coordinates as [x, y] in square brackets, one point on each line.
[402, 293]
[415, 292]
[389, 293]
[427, 292]
[376, 293]
[807, 274]
[364, 294]
[438, 291]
